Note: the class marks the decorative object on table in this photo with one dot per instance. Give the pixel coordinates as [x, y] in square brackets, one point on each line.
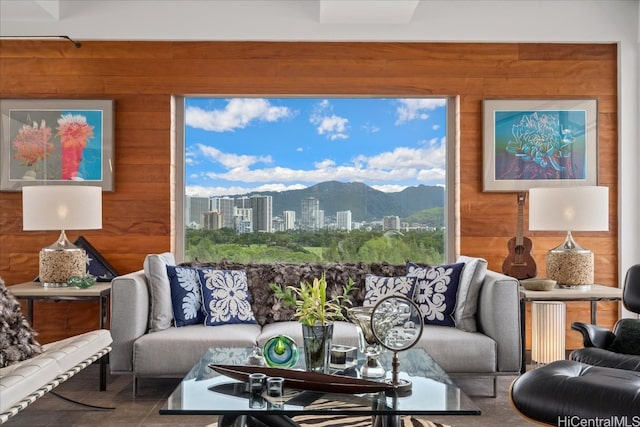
[538, 284]
[280, 351]
[519, 263]
[569, 209]
[67, 141]
[343, 356]
[368, 343]
[305, 380]
[397, 324]
[81, 282]
[316, 312]
[97, 265]
[539, 143]
[61, 207]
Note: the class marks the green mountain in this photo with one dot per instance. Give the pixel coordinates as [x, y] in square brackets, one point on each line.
[364, 202]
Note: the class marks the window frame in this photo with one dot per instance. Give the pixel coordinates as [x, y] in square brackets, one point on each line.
[452, 173]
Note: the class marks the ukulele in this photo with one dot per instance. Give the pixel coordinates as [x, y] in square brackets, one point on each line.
[519, 263]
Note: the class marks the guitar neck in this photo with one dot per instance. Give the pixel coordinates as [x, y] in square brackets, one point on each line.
[519, 231]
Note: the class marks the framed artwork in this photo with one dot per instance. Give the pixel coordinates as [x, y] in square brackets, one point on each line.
[56, 141]
[97, 266]
[539, 143]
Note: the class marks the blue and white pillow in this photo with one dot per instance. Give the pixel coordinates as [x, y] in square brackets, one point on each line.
[436, 291]
[226, 297]
[186, 299]
[378, 287]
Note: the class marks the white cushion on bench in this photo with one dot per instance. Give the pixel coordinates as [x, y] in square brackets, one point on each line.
[21, 379]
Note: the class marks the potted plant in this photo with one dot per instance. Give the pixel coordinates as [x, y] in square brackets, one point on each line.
[316, 313]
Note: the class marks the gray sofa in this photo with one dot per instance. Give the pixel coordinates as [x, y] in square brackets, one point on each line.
[486, 341]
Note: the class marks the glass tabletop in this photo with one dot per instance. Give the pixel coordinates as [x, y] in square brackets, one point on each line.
[205, 392]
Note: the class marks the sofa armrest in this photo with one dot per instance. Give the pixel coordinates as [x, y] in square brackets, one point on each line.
[129, 318]
[499, 318]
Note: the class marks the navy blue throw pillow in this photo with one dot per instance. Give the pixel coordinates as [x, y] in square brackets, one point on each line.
[186, 298]
[226, 297]
[436, 291]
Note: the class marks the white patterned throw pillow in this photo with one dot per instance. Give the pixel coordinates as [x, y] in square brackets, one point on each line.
[226, 297]
[378, 287]
[436, 291]
[186, 298]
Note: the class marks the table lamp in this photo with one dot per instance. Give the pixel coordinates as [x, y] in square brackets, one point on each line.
[569, 209]
[61, 207]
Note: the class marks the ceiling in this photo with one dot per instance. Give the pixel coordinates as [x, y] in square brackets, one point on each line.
[328, 11]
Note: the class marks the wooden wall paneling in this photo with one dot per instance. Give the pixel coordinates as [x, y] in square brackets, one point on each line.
[141, 77]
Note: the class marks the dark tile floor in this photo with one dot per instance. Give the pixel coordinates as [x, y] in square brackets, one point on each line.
[142, 410]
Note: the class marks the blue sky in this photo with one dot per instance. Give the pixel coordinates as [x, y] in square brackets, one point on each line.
[239, 145]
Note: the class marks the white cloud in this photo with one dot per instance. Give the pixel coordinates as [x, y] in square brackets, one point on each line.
[237, 114]
[230, 160]
[415, 108]
[391, 167]
[331, 125]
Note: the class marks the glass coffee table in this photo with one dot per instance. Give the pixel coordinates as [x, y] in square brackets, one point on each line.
[205, 392]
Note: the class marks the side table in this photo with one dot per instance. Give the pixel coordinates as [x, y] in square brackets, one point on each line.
[31, 291]
[593, 293]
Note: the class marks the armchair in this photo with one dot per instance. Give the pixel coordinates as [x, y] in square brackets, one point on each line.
[620, 348]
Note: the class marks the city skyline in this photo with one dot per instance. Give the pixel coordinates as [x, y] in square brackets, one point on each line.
[386, 143]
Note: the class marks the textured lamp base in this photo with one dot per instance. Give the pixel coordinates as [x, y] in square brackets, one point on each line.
[58, 265]
[570, 268]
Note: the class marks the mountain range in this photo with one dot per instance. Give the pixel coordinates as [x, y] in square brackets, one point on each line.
[364, 202]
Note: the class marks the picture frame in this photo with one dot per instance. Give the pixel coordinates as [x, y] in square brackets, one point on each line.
[56, 141]
[97, 265]
[539, 143]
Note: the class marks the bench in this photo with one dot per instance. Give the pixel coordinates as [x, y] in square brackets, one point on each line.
[24, 382]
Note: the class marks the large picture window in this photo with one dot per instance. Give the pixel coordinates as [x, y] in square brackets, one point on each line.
[322, 179]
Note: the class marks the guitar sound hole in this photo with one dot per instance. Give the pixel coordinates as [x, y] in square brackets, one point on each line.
[519, 250]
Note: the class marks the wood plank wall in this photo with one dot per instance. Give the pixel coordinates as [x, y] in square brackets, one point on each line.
[142, 76]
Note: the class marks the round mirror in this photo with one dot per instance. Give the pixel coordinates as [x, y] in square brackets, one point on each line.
[396, 322]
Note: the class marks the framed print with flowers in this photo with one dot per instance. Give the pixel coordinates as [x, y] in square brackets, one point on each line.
[56, 141]
[539, 143]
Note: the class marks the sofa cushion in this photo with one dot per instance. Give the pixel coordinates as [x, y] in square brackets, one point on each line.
[456, 350]
[186, 296]
[436, 291]
[225, 295]
[378, 287]
[155, 270]
[468, 291]
[152, 358]
[17, 338]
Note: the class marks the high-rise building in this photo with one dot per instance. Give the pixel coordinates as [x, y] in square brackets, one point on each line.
[262, 213]
[226, 208]
[244, 220]
[310, 214]
[391, 222]
[343, 220]
[289, 220]
[194, 208]
[212, 220]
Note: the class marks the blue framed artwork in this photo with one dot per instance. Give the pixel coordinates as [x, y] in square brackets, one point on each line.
[539, 143]
[56, 141]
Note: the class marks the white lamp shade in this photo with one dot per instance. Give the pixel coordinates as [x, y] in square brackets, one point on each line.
[61, 207]
[569, 209]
